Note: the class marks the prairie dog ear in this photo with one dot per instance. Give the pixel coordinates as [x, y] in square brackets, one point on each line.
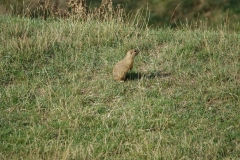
[130, 52]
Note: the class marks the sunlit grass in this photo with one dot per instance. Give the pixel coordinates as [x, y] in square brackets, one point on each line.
[58, 99]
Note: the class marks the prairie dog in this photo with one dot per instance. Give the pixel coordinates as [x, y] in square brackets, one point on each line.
[122, 67]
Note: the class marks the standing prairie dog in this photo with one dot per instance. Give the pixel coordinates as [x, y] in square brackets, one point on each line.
[122, 67]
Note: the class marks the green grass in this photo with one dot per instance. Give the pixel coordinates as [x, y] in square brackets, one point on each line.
[58, 99]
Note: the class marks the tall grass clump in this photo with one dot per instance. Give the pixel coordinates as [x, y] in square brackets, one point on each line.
[58, 99]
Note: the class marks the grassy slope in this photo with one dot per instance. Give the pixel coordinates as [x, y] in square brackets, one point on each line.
[58, 99]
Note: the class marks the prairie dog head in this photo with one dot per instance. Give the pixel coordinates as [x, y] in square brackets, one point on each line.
[132, 53]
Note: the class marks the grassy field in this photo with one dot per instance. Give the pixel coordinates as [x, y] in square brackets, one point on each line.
[162, 12]
[58, 99]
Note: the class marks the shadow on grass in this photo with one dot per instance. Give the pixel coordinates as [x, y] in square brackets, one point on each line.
[138, 75]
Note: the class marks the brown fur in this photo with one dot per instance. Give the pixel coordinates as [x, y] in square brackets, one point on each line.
[122, 67]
